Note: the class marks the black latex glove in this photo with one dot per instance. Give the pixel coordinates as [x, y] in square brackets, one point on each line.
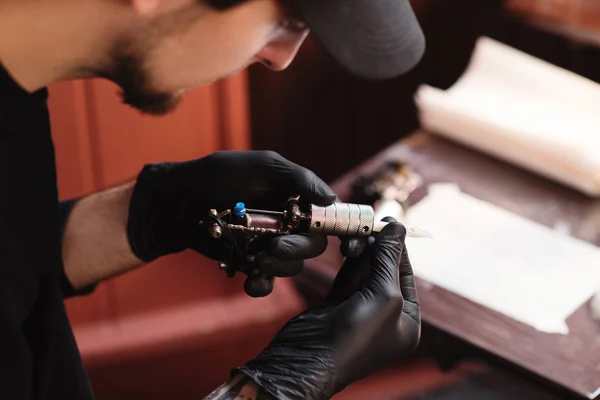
[356, 332]
[170, 198]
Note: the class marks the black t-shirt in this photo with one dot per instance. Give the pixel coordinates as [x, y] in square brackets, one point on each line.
[39, 358]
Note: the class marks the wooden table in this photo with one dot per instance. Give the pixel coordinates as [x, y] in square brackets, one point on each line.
[578, 21]
[570, 362]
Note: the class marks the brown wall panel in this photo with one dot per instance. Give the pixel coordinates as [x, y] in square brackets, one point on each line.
[124, 140]
[71, 133]
[235, 112]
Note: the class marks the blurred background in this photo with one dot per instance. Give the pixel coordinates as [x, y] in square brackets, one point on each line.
[173, 329]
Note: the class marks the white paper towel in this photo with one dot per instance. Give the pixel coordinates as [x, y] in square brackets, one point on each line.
[523, 110]
[500, 260]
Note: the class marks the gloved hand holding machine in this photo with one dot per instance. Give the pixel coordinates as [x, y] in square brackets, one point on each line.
[246, 231]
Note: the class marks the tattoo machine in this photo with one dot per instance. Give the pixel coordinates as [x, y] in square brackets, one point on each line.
[247, 230]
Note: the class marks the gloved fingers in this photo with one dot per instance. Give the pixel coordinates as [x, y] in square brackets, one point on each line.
[285, 254]
[353, 247]
[259, 285]
[350, 278]
[357, 268]
[297, 247]
[298, 180]
[389, 219]
[386, 258]
[409, 332]
[408, 287]
[379, 313]
[273, 266]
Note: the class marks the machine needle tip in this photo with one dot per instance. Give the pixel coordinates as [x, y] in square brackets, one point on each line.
[418, 233]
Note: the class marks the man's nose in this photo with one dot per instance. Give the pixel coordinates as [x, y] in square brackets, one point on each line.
[279, 54]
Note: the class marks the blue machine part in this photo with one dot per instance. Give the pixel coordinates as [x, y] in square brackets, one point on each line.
[239, 210]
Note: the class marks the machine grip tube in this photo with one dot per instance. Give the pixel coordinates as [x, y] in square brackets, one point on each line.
[342, 219]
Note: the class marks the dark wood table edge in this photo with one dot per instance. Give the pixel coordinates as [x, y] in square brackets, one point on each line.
[585, 36]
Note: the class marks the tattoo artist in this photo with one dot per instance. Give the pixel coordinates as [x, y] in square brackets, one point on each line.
[156, 50]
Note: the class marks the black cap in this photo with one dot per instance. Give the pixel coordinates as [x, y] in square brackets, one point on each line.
[373, 39]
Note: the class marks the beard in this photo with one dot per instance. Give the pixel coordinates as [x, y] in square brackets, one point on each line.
[130, 62]
[129, 72]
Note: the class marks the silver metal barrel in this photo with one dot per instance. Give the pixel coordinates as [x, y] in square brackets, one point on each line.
[342, 219]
